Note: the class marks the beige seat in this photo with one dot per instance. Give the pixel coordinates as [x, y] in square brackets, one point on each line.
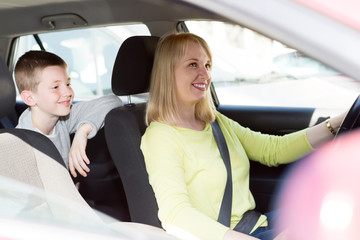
[31, 158]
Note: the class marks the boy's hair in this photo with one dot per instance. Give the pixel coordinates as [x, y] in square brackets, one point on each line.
[31, 64]
[162, 99]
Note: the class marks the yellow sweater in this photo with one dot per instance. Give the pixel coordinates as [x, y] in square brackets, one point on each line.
[188, 175]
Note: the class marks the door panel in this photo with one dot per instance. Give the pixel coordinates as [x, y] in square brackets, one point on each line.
[271, 120]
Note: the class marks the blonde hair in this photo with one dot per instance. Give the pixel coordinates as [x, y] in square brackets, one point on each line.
[162, 99]
[30, 64]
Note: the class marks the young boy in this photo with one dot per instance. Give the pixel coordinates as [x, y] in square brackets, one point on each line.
[44, 86]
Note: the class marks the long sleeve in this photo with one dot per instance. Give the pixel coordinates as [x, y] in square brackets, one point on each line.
[267, 149]
[92, 112]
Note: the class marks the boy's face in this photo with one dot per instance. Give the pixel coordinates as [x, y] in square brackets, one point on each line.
[54, 94]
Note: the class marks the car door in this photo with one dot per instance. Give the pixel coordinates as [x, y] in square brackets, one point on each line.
[269, 87]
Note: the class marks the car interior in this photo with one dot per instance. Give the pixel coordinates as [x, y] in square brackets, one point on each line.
[118, 183]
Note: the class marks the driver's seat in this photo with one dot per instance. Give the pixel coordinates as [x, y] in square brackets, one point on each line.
[125, 125]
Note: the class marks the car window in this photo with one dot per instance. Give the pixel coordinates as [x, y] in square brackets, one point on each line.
[89, 53]
[253, 70]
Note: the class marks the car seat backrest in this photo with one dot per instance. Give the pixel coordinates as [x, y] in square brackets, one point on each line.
[125, 125]
[30, 157]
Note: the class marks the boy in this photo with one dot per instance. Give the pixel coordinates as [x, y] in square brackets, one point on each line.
[44, 86]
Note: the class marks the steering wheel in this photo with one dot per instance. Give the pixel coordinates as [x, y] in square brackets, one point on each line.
[352, 118]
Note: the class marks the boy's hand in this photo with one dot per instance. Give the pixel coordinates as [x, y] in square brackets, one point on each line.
[77, 155]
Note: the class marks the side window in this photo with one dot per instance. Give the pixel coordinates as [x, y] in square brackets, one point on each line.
[89, 54]
[253, 70]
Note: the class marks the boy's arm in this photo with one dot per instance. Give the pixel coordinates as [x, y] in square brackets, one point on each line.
[86, 118]
[77, 156]
[92, 112]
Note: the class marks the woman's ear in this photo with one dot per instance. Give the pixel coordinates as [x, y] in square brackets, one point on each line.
[26, 96]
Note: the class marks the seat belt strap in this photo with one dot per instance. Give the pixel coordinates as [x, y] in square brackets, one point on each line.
[226, 204]
[247, 222]
[250, 218]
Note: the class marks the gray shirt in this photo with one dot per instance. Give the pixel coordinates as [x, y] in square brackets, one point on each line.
[92, 112]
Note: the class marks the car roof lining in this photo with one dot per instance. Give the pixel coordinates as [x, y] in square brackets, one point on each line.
[113, 12]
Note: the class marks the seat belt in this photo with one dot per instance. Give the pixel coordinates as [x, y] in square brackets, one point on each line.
[250, 218]
[226, 204]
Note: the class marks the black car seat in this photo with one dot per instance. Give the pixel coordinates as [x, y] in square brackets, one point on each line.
[125, 125]
[102, 188]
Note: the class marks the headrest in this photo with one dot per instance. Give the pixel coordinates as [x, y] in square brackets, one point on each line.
[7, 90]
[132, 68]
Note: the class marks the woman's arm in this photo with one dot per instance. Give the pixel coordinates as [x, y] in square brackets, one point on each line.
[321, 132]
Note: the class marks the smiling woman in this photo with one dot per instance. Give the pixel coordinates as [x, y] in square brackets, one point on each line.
[182, 158]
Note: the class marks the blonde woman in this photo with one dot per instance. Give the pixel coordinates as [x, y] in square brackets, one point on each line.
[185, 168]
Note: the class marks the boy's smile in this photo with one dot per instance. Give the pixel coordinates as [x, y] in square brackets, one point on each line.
[66, 103]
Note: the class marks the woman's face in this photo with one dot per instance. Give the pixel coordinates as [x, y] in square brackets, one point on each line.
[192, 75]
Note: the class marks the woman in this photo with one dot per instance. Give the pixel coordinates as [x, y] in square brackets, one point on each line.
[185, 168]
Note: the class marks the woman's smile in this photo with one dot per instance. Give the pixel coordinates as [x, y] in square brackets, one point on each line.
[200, 86]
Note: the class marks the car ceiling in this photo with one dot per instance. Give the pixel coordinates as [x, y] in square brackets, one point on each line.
[19, 17]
